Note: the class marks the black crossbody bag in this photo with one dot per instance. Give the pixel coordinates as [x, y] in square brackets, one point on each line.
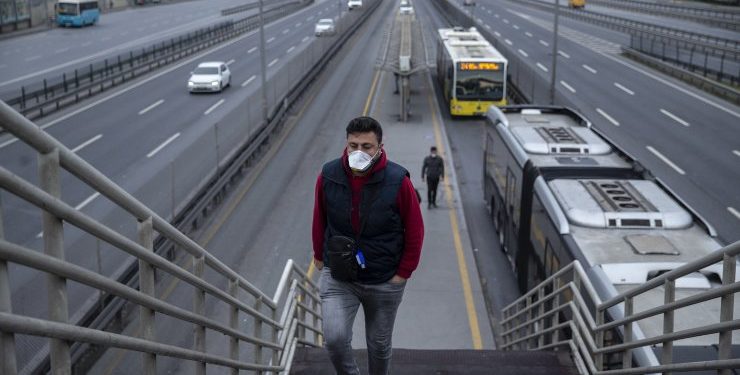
[341, 251]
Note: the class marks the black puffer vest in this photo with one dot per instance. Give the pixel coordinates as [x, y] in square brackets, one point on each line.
[383, 236]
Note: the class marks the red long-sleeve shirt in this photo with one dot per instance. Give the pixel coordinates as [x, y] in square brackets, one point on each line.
[408, 208]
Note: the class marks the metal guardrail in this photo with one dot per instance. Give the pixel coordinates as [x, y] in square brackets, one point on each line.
[51, 95]
[708, 44]
[728, 18]
[55, 157]
[565, 311]
[239, 8]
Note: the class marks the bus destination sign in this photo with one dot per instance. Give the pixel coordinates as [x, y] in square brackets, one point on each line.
[479, 66]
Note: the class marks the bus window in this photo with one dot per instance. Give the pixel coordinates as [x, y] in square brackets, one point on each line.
[67, 9]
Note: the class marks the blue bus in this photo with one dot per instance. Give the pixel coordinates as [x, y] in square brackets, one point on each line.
[77, 12]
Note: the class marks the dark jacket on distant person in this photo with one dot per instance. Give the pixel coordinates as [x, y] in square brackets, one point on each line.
[433, 167]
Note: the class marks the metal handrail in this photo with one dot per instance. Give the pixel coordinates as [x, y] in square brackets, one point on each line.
[525, 324]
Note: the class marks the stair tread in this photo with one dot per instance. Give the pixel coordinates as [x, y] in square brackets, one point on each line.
[309, 361]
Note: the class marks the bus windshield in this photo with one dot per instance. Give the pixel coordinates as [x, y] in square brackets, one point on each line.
[479, 85]
[67, 9]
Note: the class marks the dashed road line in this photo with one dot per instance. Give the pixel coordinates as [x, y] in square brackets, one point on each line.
[87, 201]
[498, 34]
[286, 31]
[86, 143]
[544, 43]
[230, 62]
[271, 39]
[528, 34]
[508, 42]
[290, 49]
[305, 39]
[674, 117]
[734, 212]
[628, 91]
[665, 160]
[149, 108]
[249, 80]
[561, 53]
[506, 21]
[523, 53]
[542, 67]
[567, 86]
[496, 15]
[163, 145]
[85, 44]
[736, 152]
[61, 50]
[273, 62]
[252, 49]
[33, 58]
[606, 116]
[516, 27]
[213, 107]
[590, 69]
[488, 26]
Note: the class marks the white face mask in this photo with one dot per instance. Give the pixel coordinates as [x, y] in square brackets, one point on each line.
[360, 161]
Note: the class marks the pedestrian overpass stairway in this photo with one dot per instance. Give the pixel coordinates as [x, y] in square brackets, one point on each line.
[315, 361]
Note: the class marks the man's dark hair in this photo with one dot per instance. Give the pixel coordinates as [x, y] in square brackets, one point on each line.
[434, 148]
[365, 124]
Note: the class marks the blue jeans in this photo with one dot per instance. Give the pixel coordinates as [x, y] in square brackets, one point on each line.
[339, 303]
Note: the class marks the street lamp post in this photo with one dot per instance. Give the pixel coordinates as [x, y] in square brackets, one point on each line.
[554, 52]
[263, 64]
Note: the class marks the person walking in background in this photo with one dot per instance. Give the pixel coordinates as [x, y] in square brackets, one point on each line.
[433, 170]
[367, 236]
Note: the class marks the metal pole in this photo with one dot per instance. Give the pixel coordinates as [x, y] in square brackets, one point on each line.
[146, 285]
[668, 323]
[727, 311]
[554, 52]
[258, 333]
[7, 339]
[263, 64]
[199, 307]
[54, 246]
[234, 324]
[627, 355]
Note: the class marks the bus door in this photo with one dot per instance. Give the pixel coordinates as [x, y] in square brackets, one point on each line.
[509, 230]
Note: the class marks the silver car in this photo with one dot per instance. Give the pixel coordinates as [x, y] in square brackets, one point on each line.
[211, 76]
[325, 26]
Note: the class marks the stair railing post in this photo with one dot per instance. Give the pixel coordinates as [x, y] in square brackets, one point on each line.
[234, 324]
[199, 307]
[146, 286]
[627, 355]
[7, 339]
[258, 333]
[54, 246]
[668, 323]
[599, 360]
[727, 310]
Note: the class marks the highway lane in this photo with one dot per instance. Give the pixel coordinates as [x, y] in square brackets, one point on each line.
[267, 219]
[31, 58]
[698, 161]
[129, 127]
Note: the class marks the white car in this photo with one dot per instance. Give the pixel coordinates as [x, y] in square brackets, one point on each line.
[209, 77]
[354, 4]
[406, 8]
[325, 26]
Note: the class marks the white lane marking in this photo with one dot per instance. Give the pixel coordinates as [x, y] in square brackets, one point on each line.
[309, 18]
[230, 62]
[298, 24]
[86, 44]
[270, 40]
[149, 108]
[213, 107]
[490, 12]
[61, 50]
[567, 86]
[523, 53]
[40, 235]
[496, 15]
[33, 58]
[498, 34]
[624, 88]
[674, 117]
[734, 212]
[488, 26]
[506, 21]
[674, 86]
[249, 80]
[87, 201]
[665, 160]
[252, 49]
[123, 33]
[163, 145]
[606, 116]
[290, 49]
[736, 152]
[542, 67]
[508, 42]
[305, 39]
[528, 34]
[273, 62]
[516, 27]
[8, 142]
[561, 53]
[105, 39]
[87, 143]
[286, 31]
[544, 43]
[480, 20]
[590, 69]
